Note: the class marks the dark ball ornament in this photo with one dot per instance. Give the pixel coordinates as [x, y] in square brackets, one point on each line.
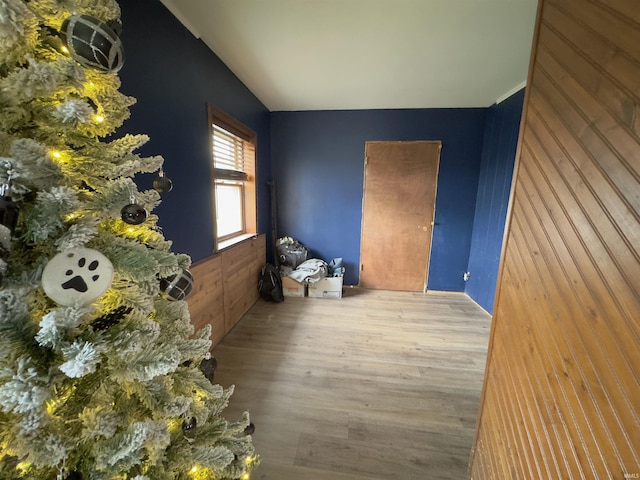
[8, 209]
[189, 427]
[92, 43]
[66, 474]
[208, 366]
[177, 287]
[8, 220]
[133, 214]
[162, 184]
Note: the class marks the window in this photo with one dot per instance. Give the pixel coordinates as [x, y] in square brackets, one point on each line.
[233, 167]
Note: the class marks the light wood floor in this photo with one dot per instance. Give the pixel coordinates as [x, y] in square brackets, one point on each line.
[376, 385]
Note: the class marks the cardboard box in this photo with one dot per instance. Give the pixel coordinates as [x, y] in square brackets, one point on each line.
[291, 288]
[328, 287]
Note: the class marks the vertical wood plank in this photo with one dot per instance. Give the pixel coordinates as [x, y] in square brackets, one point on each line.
[240, 268]
[206, 302]
[562, 381]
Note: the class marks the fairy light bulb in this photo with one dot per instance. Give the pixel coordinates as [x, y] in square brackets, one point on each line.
[51, 407]
[64, 49]
[56, 154]
[99, 118]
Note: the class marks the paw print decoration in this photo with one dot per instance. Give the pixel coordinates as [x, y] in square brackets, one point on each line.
[77, 277]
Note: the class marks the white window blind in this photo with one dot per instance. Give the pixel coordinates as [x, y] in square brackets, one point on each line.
[232, 155]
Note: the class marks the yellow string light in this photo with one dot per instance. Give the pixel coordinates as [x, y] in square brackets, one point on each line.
[199, 473]
[245, 476]
[56, 154]
[99, 118]
[51, 406]
[64, 49]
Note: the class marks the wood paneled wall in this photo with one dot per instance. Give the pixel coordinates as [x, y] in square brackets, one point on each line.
[226, 286]
[561, 397]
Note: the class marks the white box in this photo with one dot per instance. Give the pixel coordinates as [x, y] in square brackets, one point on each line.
[291, 288]
[328, 287]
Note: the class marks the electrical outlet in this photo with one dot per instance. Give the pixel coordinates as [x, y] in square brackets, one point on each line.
[466, 276]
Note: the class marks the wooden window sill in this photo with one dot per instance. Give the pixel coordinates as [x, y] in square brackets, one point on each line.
[234, 241]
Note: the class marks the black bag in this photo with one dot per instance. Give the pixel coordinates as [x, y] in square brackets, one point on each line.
[291, 253]
[270, 284]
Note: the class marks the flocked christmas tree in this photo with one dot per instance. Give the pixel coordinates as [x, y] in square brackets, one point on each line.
[101, 373]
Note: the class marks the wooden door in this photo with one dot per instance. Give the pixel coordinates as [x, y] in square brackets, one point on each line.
[397, 215]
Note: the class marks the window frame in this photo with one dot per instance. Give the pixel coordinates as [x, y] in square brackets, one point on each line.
[223, 120]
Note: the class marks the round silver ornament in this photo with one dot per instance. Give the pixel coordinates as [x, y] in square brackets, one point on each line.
[77, 277]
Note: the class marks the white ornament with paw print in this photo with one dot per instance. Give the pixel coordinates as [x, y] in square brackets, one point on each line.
[77, 277]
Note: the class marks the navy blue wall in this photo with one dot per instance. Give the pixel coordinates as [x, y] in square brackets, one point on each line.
[173, 76]
[317, 157]
[498, 158]
[318, 164]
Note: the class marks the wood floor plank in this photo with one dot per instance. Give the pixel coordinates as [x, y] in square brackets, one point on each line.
[376, 385]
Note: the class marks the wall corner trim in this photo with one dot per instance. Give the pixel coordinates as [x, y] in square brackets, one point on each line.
[515, 89]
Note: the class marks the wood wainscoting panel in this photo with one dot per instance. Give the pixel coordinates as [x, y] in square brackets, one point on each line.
[226, 286]
[561, 390]
[241, 267]
[206, 302]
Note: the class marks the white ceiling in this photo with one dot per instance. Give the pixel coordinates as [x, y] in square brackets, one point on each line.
[368, 54]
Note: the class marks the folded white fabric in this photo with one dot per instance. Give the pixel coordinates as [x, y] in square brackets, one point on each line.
[310, 271]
